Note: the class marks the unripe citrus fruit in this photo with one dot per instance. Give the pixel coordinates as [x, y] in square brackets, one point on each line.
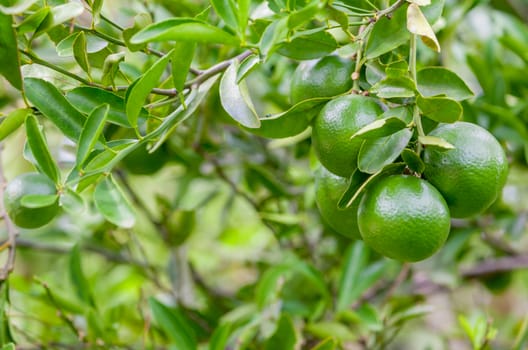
[404, 218]
[30, 184]
[326, 77]
[336, 123]
[470, 176]
[328, 191]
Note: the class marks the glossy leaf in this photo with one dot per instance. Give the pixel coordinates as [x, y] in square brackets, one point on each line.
[243, 15]
[66, 12]
[96, 11]
[357, 187]
[413, 161]
[235, 99]
[403, 112]
[91, 132]
[80, 53]
[86, 98]
[273, 36]
[181, 62]
[93, 44]
[16, 7]
[50, 102]
[246, 67]
[355, 259]
[141, 21]
[380, 128]
[433, 11]
[440, 109]
[418, 24]
[140, 89]
[183, 29]
[38, 200]
[387, 35]
[36, 22]
[291, 122]
[308, 45]
[377, 153]
[39, 148]
[304, 14]
[401, 87]
[111, 68]
[439, 81]
[285, 336]
[111, 202]
[108, 158]
[9, 59]
[72, 202]
[437, 142]
[13, 121]
[80, 283]
[225, 9]
[174, 324]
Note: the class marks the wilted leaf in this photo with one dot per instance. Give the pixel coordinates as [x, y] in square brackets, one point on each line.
[418, 24]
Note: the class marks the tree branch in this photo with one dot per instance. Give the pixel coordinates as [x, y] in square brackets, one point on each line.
[492, 266]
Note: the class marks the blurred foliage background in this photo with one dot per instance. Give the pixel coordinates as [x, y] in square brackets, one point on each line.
[229, 250]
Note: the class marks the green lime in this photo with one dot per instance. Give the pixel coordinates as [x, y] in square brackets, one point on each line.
[404, 218]
[328, 190]
[336, 123]
[30, 184]
[470, 176]
[326, 77]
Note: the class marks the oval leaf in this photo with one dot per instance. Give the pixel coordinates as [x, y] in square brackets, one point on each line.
[438, 81]
[113, 204]
[79, 52]
[37, 144]
[413, 161]
[90, 134]
[440, 109]
[437, 142]
[394, 87]
[86, 98]
[247, 66]
[181, 62]
[9, 59]
[376, 153]
[16, 7]
[308, 45]
[387, 34]
[140, 89]
[50, 102]
[380, 128]
[235, 99]
[225, 9]
[183, 29]
[174, 324]
[38, 200]
[13, 121]
[418, 24]
[72, 202]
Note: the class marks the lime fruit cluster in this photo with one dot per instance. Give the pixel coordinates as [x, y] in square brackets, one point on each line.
[34, 184]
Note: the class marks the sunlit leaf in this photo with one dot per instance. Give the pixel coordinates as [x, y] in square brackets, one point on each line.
[92, 129]
[440, 109]
[376, 153]
[437, 142]
[439, 81]
[39, 148]
[387, 35]
[9, 59]
[113, 204]
[13, 121]
[181, 62]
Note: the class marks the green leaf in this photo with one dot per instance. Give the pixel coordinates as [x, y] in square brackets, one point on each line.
[433, 12]
[78, 279]
[380, 128]
[80, 53]
[140, 89]
[308, 45]
[141, 21]
[9, 59]
[91, 132]
[50, 102]
[247, 66]
[38, 200]
[291, 122]
[16, 7]
[305, 14]
[111, 68]
[226, 10]
[439, 81]
[183, 29]
[181, 63]
[93, 44]
[243, 15]
[220, 336]
[113, 204]
[235, 99]
[358, 184]
[437, 142]
[274, 34]
[174, 324]
[193, 101]
[105, 160]
[10, 346]
[387, 35]
[417, 24]
[326, 329]
[13, 121]
[413, 161]
[378, 152]
[392, 87]
[440, 109]
[37, 144]
[66, 12]
[285, 337]
[355, 259]
[326, 344]
[369, 318]
[86, 98]
[97, 5]
[72, 202]
[36, 22]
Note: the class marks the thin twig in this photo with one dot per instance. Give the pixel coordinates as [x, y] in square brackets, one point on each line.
[493, 266]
